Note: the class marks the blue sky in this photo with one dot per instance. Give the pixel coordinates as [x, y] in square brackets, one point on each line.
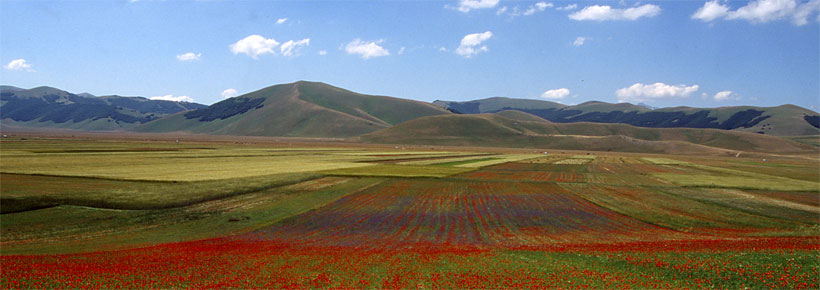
[663, 53]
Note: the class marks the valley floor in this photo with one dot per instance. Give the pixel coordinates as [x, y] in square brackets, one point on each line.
[107, 213]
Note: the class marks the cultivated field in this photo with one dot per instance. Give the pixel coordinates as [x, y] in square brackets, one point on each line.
[139, 214]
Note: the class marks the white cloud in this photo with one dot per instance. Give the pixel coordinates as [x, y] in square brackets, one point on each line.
[760, 11]
[281, 20]
[764, 10]
[514, 12]
[189, 56]
[641, 93]
[710, 11]
[471, 44]
[556, 94]
[568, 7]
[579, 41]
[173, 98]
[605, 12]
[543, 5]
[366, 49]
[724, 95]
[19, 64]
[291, 48]
[254, 46]
[401, 50]
[804, 10]
[501, 10]
[467, 5]
[442, 49]
[540, 6]
[323, 52]
[517, 11]
[229, 93]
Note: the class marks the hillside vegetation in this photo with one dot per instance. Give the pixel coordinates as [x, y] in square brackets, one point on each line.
[51, 107]
[509, 129]
[785, 120]
[318, 110]
[300, 109]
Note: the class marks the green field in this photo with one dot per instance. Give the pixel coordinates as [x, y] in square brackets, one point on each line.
[515, 215]
[390, 170]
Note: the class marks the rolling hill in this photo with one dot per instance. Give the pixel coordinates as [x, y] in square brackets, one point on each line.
[519, 129]
[785, 120]
[497, 104]
[313, 109]
[300, 109]
[51, 107]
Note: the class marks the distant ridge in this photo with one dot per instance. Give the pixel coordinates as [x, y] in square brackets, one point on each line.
[508, 129]
[318, 110]
[300, 109]
[785, 120]
[496, 104]
[52, 107]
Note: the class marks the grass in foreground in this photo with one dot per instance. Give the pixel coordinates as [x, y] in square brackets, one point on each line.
[711, 176]
[64, 229]
[755, 264]
[743, 182]
[24, 192]
[698, 210]
[506, 225]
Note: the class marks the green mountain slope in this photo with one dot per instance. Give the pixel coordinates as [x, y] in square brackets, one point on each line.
[300, 109]
[51, 107]
[496, 104]
[785, 120]
[520, 116]
[498, 130]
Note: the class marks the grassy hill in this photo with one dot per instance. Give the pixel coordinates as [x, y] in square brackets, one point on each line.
[496, 104]
[313, 109]
[508, 129]
[785, 120]
[300, 109]
[52, 107]
[520, 116]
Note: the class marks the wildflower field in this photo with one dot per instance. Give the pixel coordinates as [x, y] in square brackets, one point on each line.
[117, 214]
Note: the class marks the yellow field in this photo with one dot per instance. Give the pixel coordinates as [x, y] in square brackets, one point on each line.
[390, 170]
[499, 160]
[169, 162]
[662, 161]
[747, 182]
[573, 161]
[171, 166]
[710, 176]
[444, 160]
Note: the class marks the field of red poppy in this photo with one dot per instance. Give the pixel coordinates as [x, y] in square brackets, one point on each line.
[752, 262]
[613, 221]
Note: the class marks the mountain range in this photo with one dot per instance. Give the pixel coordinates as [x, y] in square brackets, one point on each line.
[512, 128]
[51, 107]
[785, 120]
[300, 109]
[313, 109]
